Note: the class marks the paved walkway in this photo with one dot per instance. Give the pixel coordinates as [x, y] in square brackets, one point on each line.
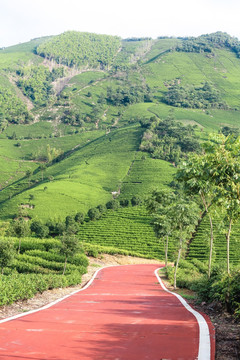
[123, 315]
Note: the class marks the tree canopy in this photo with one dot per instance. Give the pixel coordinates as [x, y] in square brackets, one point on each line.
[73, 48]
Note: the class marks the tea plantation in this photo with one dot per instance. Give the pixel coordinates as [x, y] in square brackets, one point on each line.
[127, 228]
[199, 246]
[37, 268]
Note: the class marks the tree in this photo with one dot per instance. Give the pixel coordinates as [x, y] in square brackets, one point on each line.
[159, 205]
[7, 253]
[94, 214]
[194, 174]
[28, 175]
[72, 226]
[69, 247]
[39, 228]
[113, 204]
[135, 200]
[43, 168]
[79, 218]
[19, 228]
[185, 215]
[224, 169]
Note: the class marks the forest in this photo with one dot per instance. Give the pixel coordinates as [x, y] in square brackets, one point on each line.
[81, 49]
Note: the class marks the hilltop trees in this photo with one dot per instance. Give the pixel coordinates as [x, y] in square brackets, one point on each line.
[77, 49]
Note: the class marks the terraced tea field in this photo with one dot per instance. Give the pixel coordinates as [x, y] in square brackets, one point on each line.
[199, 247]
[125, 228]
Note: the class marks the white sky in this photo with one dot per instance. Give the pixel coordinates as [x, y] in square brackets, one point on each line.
[22, 20]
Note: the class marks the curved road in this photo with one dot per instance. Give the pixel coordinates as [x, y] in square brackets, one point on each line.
[123, 314]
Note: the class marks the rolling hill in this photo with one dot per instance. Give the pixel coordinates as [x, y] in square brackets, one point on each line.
[74, 109]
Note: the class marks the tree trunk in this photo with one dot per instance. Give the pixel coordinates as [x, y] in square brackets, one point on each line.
[211, 247]
[19, 245]
[65, 264]
[166, 251]
[228, 243]
[176, 266]
[211, 235]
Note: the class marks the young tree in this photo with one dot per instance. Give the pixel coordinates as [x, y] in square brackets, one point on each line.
[185, 216]
[159, 205]
[19, 228]
[7, 253]
[194, 174]
[43, 168]
[28, 175]
[224, 171]
[39, 228]
[69, 247]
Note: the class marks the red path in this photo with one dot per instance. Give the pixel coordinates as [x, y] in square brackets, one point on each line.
[123, 315]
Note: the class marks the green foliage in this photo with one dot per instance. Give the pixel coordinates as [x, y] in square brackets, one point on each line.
[113, 204]
[94, 214]
[24, 286]
[169, 140]
[12, 109]
[194, 97]
[95, 250]
[73, 48]
[128, 94]
[35, 82]
[39, 229]
[208, 43]
[7, 253]
[19, 228]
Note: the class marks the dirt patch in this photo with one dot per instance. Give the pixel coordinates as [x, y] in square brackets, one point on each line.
[51, 295]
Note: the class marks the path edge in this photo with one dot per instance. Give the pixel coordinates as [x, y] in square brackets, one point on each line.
[58, 300]
[205, 350]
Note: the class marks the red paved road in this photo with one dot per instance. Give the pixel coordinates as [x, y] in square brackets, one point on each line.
[123, 315]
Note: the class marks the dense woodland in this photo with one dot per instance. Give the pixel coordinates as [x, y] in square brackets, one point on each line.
[203, 97]
[81, 49]
[168, 139]
[207, 43]
[35, 82]
[12, 109]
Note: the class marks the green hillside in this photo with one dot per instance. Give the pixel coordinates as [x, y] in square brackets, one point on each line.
[84, 115]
